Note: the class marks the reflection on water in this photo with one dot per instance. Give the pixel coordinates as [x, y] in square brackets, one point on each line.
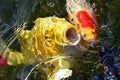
[14, 13]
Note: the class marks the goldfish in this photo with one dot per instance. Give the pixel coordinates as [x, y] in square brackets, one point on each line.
[81, 14]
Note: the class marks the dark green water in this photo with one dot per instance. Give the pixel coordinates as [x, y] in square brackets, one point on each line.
[13, 13]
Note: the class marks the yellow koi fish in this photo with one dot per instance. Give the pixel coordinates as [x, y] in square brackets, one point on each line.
[81, 14]
[44, 44]
[42, 39]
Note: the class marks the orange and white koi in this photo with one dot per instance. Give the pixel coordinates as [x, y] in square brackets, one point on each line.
[80, 13]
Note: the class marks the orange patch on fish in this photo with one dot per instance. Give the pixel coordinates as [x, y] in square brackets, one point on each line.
[85, 19]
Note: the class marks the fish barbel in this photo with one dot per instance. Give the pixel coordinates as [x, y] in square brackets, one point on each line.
[81, 14]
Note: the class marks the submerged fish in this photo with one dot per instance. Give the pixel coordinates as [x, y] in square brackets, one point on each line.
[81, 14]
[44, 43]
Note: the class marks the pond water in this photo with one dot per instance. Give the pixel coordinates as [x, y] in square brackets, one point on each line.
[14, 13]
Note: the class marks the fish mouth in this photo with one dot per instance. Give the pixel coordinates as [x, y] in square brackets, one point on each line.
[72, 36]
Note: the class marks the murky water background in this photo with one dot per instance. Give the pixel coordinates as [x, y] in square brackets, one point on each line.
[14, 13]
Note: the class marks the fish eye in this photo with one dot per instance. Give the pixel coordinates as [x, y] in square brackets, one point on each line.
[72, 19]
